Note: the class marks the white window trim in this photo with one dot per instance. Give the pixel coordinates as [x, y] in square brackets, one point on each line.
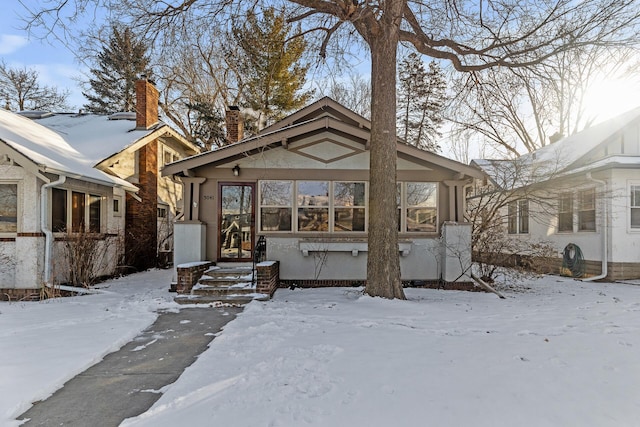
[120, 206]
[69, 208]
[630, 184]
[573, 213]
[518, 215]
[578, 209]
[19, 198]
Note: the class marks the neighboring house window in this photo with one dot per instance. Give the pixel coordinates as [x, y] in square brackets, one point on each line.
[587, 210]
[518, 217]
[170, 157]
[349, 206]
[162, 212]
[421, 206]
[117, 206]
[635, 206]
[312, 202]
[8, 208]
[84, 212]
[275, 205]
[58, 210]
[565, 213]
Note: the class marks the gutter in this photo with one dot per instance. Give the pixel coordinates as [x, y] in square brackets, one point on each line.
[605, 232]
[48, 234]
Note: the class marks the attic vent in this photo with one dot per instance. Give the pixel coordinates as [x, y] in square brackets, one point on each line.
[125, 115]
[35, 114]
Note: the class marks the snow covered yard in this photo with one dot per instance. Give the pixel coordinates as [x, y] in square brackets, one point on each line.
[560, 353]
[563, 353]
[44, 344]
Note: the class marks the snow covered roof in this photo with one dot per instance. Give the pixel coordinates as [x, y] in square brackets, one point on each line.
[568, 150]
[50, 151]
[98, 137]
[560, 158]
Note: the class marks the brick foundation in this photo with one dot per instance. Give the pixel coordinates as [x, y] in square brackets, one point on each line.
[12, 294]
[188, 276]
[435, 284]
[268, 273]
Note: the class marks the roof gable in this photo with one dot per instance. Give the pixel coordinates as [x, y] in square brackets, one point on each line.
[101, 137]
[49, 151]
[332, 132]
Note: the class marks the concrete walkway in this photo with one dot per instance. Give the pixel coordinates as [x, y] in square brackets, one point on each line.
[127, 382]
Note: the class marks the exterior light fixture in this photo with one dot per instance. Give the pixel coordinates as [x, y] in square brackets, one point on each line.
[236, 170]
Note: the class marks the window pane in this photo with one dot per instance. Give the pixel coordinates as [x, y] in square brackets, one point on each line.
[635, 217]
[8, 208]
[58, 209]
[512, 225]
[348, 194]
[94, 213]
[313, 219]
[275, 219]
[276, 193]
[635, 195]
[565, 213]
[565, 222]
[421, 194]
[77, 211]
[347, 219]
[421, 219]
[313, 193]
[523, 213]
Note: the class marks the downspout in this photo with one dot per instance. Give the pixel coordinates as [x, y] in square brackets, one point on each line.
[48, 234]
[605, 232]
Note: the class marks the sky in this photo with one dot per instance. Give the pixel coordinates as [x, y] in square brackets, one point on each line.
[57, 66]
[53, 61]
[556, 352]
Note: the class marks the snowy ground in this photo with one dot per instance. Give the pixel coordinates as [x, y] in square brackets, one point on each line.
[561, 353]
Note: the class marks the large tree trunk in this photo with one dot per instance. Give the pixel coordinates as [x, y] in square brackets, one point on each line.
[383, 261]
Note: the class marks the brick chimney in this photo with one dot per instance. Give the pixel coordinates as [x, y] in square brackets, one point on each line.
[235, 126]
[146, 103]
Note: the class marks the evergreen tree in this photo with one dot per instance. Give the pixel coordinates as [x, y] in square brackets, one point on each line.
[271, 66]
[122, 60]
[421, 96]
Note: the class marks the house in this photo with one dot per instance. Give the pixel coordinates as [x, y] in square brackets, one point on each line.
[133, 146]
[67, 173]
[303, 184]
[580, 194]
[46, 188]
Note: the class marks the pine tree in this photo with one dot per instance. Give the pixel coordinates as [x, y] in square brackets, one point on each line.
[122, 60]
[421, 97]
[271, 65]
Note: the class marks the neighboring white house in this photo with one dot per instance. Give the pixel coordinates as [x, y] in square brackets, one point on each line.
[303, 184]
[106, 179]
[582, 190]
[133, 146]
[47, 186]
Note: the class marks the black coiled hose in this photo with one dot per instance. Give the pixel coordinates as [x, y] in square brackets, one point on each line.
[573, 260]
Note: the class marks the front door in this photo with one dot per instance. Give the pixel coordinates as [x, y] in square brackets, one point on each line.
[236, 221]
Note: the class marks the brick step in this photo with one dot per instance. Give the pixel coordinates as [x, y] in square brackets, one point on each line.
[202, 290]
[225, 299]
[217, 272]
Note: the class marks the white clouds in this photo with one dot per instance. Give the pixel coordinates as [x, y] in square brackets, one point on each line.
[10, 43]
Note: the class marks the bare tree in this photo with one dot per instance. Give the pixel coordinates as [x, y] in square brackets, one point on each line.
[472, 36]
[21, 90]
[521, 110]
[354, 92]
